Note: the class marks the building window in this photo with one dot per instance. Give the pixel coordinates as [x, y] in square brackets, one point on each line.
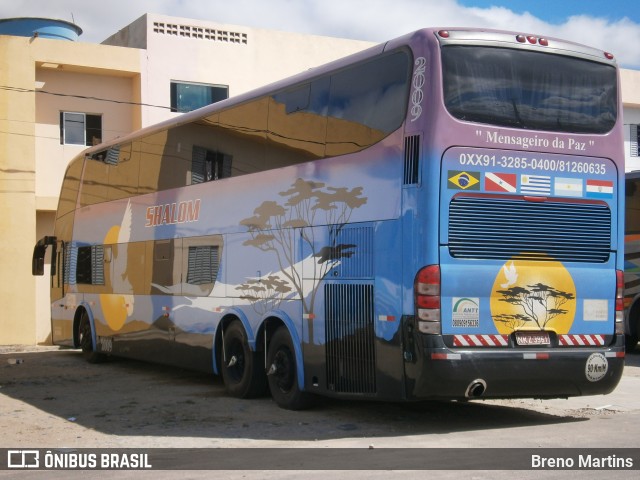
[634, 140]
[80, 129]
[207, 165]
[190, 96]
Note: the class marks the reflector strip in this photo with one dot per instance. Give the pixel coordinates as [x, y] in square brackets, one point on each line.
[536, 356]
[386, 318]
[446, 356]
[614, 354]
[308, 316]
[480, 340]
[581, 340]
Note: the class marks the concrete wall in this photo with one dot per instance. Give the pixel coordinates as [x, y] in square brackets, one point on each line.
[17, 192]
[32, 161]
[116, 119]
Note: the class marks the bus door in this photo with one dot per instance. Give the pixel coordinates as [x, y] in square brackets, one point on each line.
[57, 270]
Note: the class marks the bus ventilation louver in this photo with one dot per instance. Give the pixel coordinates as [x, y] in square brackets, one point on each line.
[492, 228]
[411, 159]
[350, 338]
[355, 245]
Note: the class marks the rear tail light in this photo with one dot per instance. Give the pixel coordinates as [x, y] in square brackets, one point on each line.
[619, 302]
[427, 299]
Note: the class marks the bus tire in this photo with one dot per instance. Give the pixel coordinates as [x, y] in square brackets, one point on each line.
[283, 373]
[242, 369]
[86, 342]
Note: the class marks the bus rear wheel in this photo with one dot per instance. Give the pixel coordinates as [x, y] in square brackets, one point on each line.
[282, 373]
[242, 368]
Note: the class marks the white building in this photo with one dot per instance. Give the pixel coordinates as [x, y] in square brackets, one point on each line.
[195, 58]
[631, 116]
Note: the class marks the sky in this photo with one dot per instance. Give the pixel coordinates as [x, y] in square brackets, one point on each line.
[611, 25]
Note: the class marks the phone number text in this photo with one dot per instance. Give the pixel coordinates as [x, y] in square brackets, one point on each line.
[542, 164]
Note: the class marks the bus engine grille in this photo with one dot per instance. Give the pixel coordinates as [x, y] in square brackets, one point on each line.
[350, 346]
[493, 228]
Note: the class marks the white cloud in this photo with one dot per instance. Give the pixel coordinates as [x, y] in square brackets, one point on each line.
[374, 20]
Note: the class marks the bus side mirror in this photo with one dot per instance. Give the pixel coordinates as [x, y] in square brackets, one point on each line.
[37, 263]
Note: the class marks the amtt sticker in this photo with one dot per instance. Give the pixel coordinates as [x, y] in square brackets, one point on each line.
[596, 367]
[465, 312]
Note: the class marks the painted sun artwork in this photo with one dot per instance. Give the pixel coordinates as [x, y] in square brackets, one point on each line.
[117, 308]
[527, 297]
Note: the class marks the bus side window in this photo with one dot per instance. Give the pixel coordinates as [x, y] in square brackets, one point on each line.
[367, 102]
[164, 163]
[201, 257]
[70, 187]
[163, 276]
[241, 134]
[297, 124]
[90, 265]
[95, 180]
[124, 169]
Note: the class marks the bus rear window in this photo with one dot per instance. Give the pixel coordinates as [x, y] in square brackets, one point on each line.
[529, 90]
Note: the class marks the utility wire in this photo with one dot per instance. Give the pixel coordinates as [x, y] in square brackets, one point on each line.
[28, 90]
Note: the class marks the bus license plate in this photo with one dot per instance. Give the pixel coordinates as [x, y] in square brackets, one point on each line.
[532, 338]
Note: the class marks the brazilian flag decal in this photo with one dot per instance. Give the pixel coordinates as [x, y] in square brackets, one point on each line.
[464, 180]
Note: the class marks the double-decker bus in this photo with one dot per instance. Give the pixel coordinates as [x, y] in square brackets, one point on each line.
[439, 216]
[632, 260]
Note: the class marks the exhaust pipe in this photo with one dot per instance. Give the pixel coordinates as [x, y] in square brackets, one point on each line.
[476, 388]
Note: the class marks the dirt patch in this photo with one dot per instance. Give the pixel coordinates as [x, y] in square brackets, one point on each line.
[53, 397]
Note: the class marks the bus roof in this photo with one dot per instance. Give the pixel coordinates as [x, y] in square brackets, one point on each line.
[446, 36]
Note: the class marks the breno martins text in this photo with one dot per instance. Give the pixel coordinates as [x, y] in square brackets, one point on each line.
[581, 462]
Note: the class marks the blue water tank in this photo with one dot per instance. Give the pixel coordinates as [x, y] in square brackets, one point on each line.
[40, 27]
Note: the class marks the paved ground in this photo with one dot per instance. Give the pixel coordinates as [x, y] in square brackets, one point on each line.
[51, 398]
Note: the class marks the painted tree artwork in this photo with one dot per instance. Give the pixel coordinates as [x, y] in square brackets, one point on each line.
[538, 305]
[276, 226]
[265, 294]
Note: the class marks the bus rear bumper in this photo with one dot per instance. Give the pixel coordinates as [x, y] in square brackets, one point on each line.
[447, 373]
